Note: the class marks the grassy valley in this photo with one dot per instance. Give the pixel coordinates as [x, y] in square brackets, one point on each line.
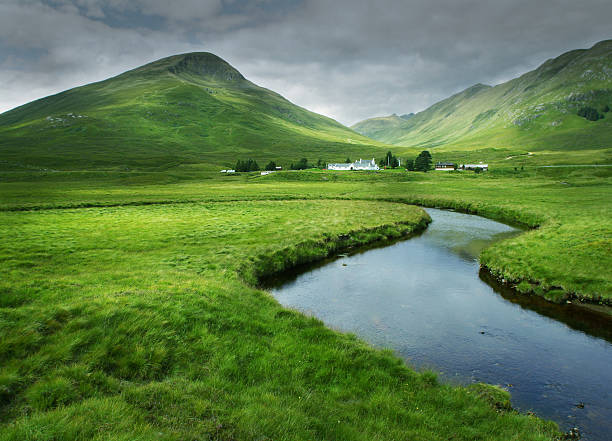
[537, 112]
[129, 306]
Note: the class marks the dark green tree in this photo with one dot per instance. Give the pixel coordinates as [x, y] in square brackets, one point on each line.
[590, 113]
[246, 166]
[606, 109]
[301, 165]
[423, 161]
[348, 160]
[389, 159]
[409, 164]
[271, 166]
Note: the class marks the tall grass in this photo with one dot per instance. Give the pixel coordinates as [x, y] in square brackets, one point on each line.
[131, 322]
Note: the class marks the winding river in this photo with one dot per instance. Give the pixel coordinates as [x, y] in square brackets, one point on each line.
[425, 299]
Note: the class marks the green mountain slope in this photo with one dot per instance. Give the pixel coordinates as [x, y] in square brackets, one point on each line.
[537, 111]
[186, 109]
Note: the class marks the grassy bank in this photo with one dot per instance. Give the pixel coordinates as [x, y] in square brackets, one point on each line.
[567, 257]
[132, 323]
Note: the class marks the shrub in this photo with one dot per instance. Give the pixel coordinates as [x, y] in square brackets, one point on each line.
[590, 113]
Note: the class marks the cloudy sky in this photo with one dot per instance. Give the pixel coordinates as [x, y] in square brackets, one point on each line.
[348, 59]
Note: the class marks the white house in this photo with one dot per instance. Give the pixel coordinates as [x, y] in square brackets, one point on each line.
[362, 164]
[475, 166]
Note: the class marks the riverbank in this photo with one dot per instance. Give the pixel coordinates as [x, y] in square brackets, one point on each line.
[426, 299]
[567, 257]
[315, 250]
[130, 322]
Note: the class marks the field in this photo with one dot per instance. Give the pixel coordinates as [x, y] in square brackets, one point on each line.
[567, 256]
[128, 308]
[132, 322]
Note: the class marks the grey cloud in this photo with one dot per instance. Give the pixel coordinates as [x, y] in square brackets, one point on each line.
[349, 59]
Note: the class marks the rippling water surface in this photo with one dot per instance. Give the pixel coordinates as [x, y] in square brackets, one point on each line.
[424, 298]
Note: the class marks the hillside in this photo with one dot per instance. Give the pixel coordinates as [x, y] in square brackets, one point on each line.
[186, 109]
[537, 111]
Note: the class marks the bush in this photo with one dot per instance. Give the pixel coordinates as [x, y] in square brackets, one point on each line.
[590, 113]
[301, 165]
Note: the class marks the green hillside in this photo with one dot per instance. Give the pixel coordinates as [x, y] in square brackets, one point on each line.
[186, 109]
[535, 112]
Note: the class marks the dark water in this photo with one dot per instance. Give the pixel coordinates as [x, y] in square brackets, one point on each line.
[424, 298]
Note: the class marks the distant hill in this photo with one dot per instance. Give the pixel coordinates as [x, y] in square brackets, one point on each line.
[186, 109]
[537, 111]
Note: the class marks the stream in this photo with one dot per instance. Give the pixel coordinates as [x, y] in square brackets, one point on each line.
[426, 299]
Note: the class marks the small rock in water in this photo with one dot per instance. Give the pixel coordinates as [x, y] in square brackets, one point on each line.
[344, 264]
[573, 434]
[580, 405]
[482, 332]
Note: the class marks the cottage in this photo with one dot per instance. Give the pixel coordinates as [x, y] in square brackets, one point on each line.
[357, 165]
[483, 167]
[445, 166]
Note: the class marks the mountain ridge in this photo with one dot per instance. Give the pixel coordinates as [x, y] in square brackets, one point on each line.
[192, 108]
[535, 110]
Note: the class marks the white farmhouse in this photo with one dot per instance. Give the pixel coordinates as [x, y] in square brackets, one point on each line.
[481, 166]
[362, 164]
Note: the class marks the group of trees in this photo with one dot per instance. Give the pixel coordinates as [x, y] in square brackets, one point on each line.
[389, 160]
[592, 114]
[421, 163]
[246, 166]
[251, 165]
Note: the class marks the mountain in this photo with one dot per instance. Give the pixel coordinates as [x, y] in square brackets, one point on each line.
[186, 109]
[537, 111]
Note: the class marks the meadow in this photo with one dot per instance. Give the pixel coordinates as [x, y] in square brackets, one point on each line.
[129, 307]
[565, 256]
[135, 322]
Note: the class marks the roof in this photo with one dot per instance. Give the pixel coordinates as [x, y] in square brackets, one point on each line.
[347, 165]
[445, 164]
[365, 162]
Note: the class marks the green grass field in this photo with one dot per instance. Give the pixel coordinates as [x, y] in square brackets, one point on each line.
[567, 256]
[133, 322]
[128, 311]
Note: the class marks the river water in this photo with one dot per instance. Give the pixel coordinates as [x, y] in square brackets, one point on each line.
[425, 299]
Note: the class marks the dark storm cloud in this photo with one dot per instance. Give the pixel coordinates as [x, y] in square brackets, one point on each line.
[346, 59]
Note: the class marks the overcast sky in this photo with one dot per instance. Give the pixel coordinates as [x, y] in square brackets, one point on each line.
[348, 59]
